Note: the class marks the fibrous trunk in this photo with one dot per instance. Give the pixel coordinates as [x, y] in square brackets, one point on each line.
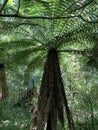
[52, 98]
[3, 86]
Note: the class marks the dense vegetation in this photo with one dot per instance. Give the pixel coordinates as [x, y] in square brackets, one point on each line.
[48, 64]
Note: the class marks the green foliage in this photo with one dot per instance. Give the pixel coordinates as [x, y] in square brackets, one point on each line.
[71, 27]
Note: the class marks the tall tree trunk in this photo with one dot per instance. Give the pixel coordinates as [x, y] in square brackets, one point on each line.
[3, 86]
[49, 123]
[52, 98]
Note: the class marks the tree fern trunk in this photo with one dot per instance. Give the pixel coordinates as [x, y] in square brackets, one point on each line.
[49, 123]
[3, 86]
[51, 100]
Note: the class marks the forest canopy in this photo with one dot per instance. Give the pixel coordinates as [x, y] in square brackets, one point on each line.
[49, 64]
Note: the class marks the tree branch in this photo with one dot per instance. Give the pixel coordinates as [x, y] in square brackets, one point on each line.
[3, 5]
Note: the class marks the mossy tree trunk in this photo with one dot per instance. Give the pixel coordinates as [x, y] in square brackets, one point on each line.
[52, 98]
[3, 85]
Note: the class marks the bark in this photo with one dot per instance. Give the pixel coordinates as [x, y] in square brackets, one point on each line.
[68, 112]
[46, 102]
[49, 124]
[3, 85]
[52, 98]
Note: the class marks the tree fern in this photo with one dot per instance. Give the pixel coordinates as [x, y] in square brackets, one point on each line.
[51, 27]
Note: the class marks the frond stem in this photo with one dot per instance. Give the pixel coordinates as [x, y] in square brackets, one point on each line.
[18, 7]
[85, 51]
[37, 17]
[3, 5]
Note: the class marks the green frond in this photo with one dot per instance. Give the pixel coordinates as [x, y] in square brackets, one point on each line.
[53, 33]
[36, 63]
[23, 43]
[46, 6]
[22, 56]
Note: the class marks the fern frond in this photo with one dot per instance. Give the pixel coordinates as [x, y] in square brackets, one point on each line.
[36, 63]
[22, 56]
[21, 43]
